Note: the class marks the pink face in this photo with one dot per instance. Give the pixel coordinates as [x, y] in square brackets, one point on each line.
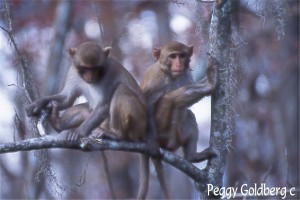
[178, 63]
[90, 74]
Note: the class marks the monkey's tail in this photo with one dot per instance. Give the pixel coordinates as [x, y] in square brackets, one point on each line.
[144, 177]
[160, 175]
[108, 176]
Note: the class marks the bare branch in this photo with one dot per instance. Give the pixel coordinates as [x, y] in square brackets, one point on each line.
[89, 144]
[29, 90]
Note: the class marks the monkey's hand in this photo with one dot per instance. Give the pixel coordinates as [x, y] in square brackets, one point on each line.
[206, 154]
[35, 108]
[153, 149]
[70, 135]
[213, 63]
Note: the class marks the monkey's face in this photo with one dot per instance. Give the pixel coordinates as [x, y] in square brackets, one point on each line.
[174, 57]
[178, 63]
[91, 75]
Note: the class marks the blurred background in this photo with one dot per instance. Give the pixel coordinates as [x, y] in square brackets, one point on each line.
[265, 43]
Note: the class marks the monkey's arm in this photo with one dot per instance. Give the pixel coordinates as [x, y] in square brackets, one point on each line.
[186, 96]
[97, 116]
[35, 107]
[152, 95]
[63, 101]
[153, 84]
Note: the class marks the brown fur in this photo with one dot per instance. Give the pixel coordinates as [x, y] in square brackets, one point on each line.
[169, 91]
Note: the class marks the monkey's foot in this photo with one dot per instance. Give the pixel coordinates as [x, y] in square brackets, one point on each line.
[206, 154]
[68, 135]
[104, 134]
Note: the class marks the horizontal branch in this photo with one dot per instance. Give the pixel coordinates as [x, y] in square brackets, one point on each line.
[89, 144]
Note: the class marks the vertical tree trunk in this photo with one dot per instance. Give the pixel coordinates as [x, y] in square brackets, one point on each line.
[220, 138]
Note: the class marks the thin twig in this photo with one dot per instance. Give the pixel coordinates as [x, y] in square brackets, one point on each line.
[4, 29]
[23, 67]
[17, 86]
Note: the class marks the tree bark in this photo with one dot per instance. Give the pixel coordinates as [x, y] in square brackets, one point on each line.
[220, 138]
[89, 144]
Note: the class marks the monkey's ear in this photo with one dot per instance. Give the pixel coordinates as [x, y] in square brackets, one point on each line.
[191, 49]
[107, 51]
[156, 53]
[72, 52]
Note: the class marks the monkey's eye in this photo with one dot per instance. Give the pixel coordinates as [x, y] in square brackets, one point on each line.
[173, 55]
[84, 69]
[81, 70]
[182, 55]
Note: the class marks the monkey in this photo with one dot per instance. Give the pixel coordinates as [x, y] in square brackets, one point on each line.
[169, 91]
[114, 99]
[111, 91]
[115, 108]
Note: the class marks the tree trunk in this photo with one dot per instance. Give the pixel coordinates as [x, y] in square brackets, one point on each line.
[220, 138]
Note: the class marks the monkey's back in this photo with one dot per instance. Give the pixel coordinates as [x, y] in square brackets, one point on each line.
[126, 78]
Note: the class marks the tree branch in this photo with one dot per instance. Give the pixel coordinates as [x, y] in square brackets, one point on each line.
[89, 144]
[28, 89]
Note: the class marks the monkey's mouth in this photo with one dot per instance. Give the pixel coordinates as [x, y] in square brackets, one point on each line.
[92, 81]
[176, 73]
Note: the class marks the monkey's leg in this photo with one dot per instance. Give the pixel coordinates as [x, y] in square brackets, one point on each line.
[71, 118]
[128, 116]
[190, 127]
[168, 122]
[164, 113]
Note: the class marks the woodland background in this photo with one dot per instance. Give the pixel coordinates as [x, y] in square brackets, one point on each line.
[265, 105]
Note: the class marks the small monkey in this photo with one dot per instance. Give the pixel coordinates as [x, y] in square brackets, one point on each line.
[169, 91]
[112, 95]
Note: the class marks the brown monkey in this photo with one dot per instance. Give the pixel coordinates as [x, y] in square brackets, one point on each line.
[114, 99]
[111, 92]
[169, 91]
